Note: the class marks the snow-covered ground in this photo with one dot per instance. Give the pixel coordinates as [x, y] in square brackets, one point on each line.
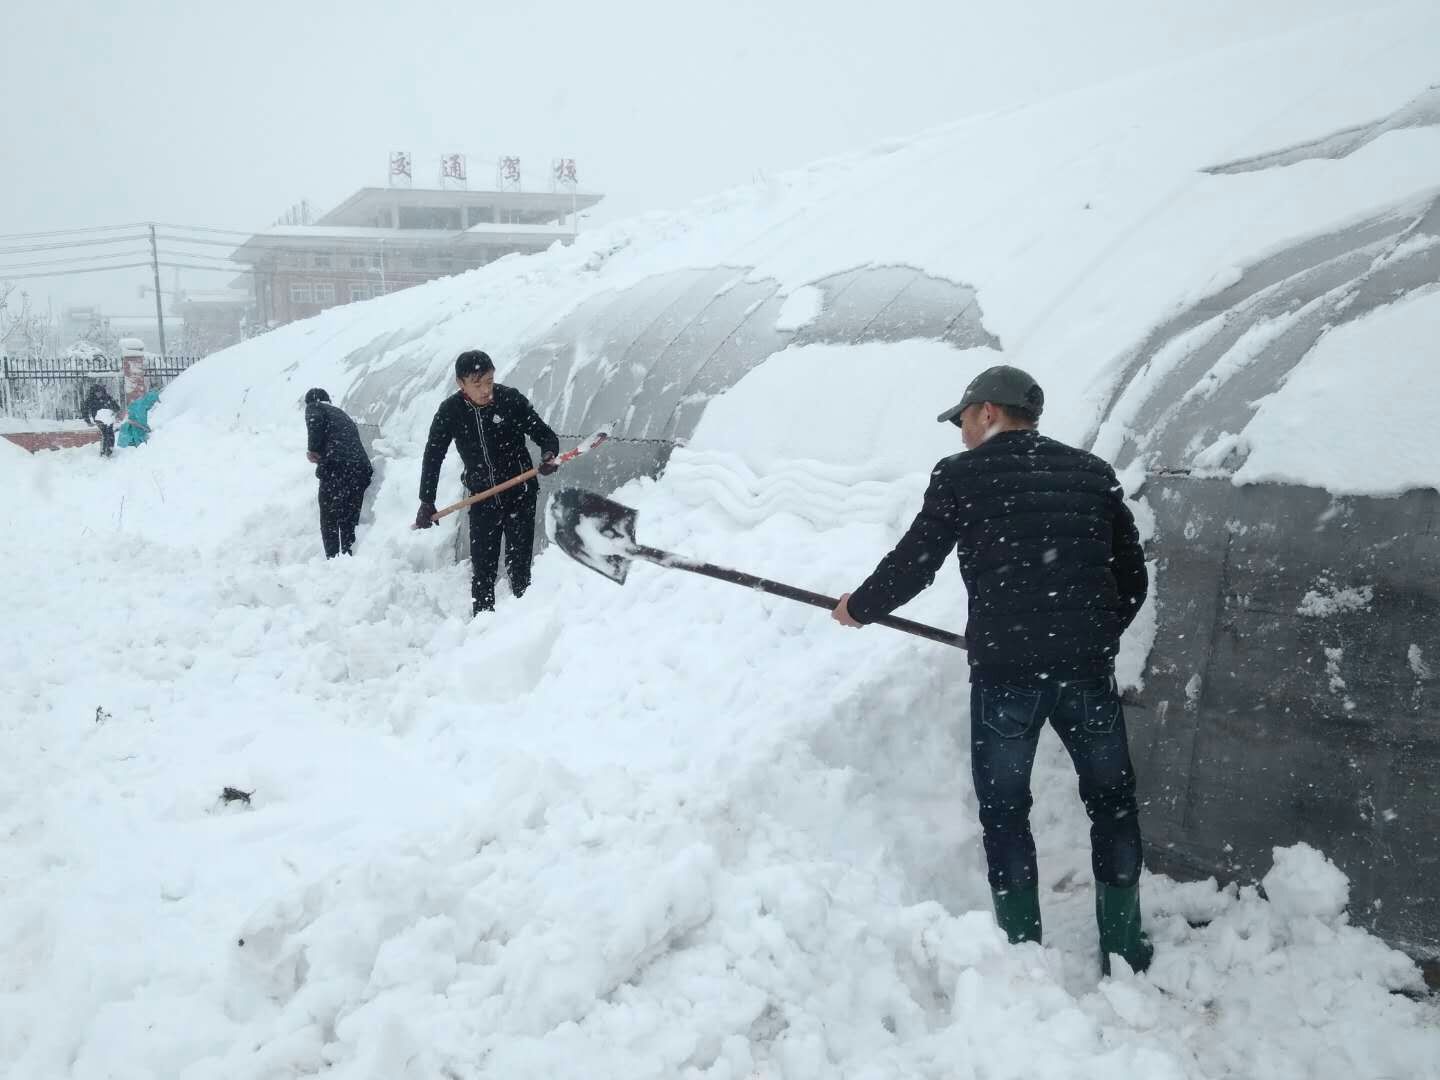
[661, 830]
[669, 829]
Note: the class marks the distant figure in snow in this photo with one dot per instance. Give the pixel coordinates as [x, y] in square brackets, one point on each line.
[101, 410]
[343, 467]
[135, 428]
[489, 423]
[1055, 572]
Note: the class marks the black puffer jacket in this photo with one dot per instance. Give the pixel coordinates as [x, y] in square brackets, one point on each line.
[491, 440]
[1048, 550]
[333, 436]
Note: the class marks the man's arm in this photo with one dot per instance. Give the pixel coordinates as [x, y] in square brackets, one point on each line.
[436, 447]
[317, 430]
[912, 565]
[1127, 559]
[541, 434]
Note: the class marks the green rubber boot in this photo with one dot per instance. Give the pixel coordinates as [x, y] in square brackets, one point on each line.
[1117, 914]
[1018, 913]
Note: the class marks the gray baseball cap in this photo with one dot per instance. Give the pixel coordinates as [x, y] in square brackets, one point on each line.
[1000, 385]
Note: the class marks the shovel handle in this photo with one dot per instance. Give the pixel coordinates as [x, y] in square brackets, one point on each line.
[529, 474]
[789, 592]
[481, 496]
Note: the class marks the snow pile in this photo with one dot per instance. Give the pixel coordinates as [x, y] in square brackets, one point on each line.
[13, 456]
[854, 406]
[1329, 600]
[1080, 222]
[1384, 359]
[801, 308]
[670, 829]
[1303, 884]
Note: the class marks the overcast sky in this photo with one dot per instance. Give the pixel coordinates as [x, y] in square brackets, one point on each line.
[225, 114]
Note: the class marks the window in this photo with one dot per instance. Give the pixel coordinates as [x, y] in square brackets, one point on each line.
[300, 293]
[357, 262]
[377, 290]
[324, 292]
[359, 292]
[376, 262]
[321, 262]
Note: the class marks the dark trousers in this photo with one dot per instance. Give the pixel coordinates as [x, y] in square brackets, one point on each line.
[340, 499]
[510, 515]
[1005, 723]
[107, 438]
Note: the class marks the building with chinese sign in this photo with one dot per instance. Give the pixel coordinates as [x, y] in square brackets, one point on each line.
[381, 240]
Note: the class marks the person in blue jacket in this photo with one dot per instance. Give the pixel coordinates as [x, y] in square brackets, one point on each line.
[135, 428]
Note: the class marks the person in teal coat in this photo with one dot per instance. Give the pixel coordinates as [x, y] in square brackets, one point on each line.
[135, 428]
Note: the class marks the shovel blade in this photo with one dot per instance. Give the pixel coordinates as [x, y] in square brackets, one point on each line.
[594, 531]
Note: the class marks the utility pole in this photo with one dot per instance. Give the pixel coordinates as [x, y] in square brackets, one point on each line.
[159, 309]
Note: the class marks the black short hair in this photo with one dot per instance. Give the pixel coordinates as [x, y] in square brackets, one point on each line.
[316, 394]
[473, 362]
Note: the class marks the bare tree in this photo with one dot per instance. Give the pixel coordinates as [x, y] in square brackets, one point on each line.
[24, 332]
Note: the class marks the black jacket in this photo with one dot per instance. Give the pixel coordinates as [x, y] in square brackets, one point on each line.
[98, 398]
[1048, 550]
[491, 440]
[335, 438]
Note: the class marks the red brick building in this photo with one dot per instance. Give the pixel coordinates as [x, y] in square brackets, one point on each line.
[381, 240]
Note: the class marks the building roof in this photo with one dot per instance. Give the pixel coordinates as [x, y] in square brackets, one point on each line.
[491, 230]
[361, 207]
[330, 237]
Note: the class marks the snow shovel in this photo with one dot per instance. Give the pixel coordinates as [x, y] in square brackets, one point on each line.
[600, 533]
[585, 446]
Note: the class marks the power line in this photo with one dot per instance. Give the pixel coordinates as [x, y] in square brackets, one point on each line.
[25, 250]
[198, 266]
[74, 261]
[81, 270]
[198, 255]
[124, 266]
[68, 260]
[204, 228]
[200, 240]
[117, 228]
[72, 232]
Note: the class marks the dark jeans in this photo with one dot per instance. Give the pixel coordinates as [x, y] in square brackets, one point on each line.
[1005, 723]
[510, 515]
[340, 500]
[107, 439]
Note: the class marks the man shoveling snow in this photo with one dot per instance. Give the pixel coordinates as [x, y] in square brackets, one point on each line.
[489, 423]
[1055, 572]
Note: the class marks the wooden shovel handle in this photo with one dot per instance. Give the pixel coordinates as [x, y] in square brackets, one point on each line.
[481, 496]
[528, 474]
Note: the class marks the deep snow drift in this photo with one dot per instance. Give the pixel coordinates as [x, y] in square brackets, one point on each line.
[671, 829]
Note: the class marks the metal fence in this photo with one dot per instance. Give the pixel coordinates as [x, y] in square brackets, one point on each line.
[54, 388]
